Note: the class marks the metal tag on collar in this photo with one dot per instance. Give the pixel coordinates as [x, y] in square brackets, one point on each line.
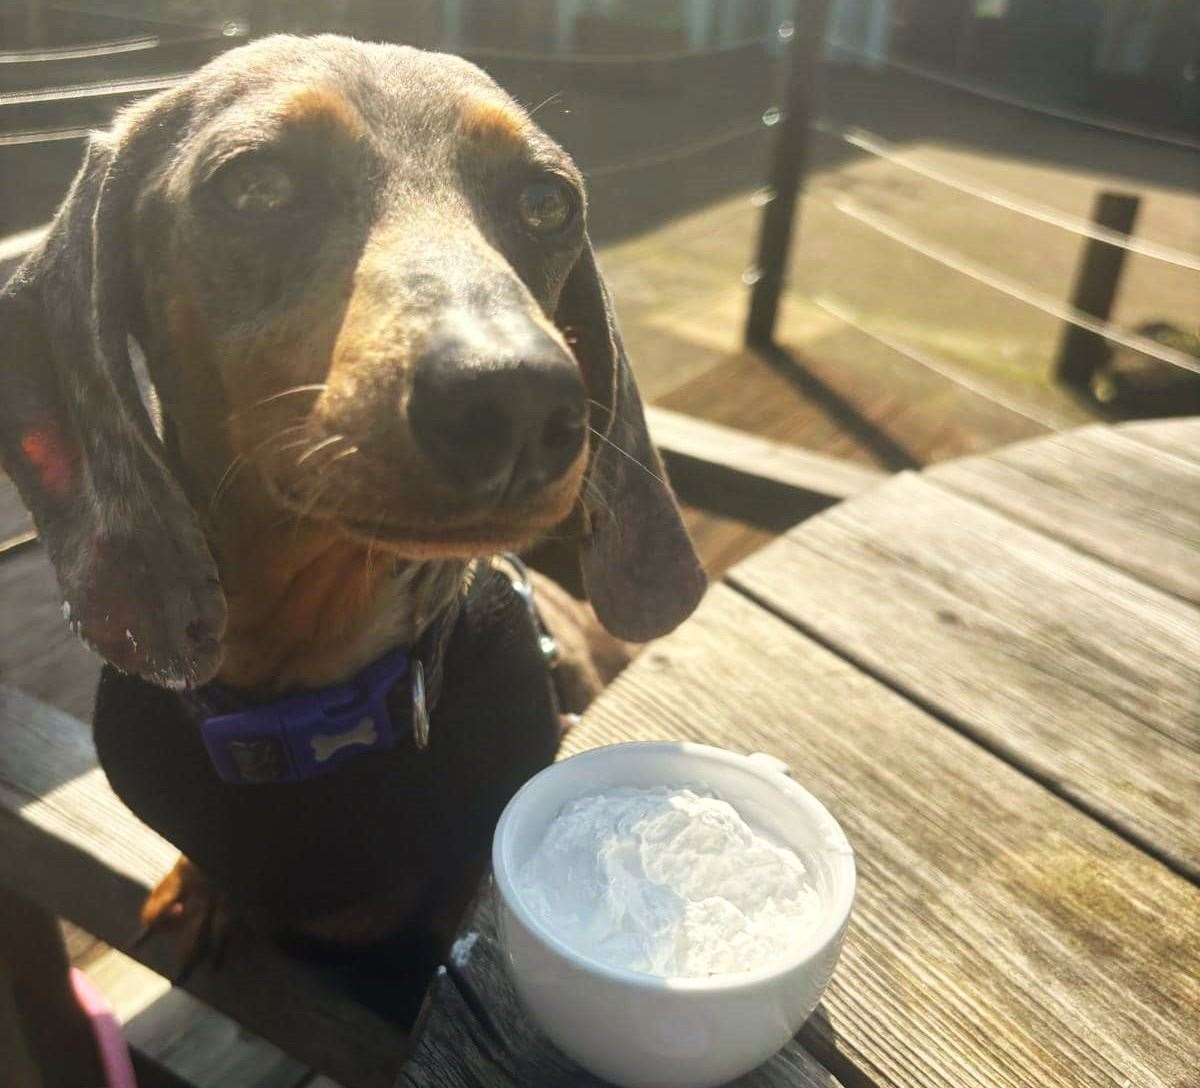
[308, 734]
[523, 586]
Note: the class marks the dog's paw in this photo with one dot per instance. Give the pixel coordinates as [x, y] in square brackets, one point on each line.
[198, 916]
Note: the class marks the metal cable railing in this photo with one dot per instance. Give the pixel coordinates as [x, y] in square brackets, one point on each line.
[838, 309]
[42, 136]
[135, 44]
[104, 88]
[1021, 292]
[994, 94]
[666, 56]
[881, 148]
[682, 150]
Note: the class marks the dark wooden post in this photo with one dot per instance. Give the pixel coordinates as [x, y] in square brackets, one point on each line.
[1082, 351]
[787, 169]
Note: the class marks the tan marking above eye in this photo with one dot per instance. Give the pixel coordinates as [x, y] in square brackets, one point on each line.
[323, 106]
[496, 125]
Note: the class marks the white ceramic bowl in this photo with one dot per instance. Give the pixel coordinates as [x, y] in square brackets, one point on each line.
[642, 1031]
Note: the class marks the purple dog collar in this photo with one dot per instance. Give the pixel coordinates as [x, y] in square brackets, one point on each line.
[308, 734]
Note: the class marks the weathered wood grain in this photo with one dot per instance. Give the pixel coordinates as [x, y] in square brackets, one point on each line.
[477, 1035]
[1178, 436]
[1000, 936]
[749, 477]
[69, 844]
[1133, 506]
[754, 455]
[38, 651]
[1072, 670]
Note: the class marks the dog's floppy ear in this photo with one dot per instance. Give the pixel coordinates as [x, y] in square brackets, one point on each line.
[640, 570]
[138, 581]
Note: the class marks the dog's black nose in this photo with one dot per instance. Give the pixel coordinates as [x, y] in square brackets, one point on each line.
[507, 424]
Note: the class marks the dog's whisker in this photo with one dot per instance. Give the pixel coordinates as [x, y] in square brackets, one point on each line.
[231, 470]
[545, 102]
[286, 446]
[595, 498]
[323, 444]
[598, 500]
[341, 456]
[313, 387]
[241, 460]
[628, 456]
[595, 406]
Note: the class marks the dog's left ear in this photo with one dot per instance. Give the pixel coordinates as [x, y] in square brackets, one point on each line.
[138, 581]
[639, 567]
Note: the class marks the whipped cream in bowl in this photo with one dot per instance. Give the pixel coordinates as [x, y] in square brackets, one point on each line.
[670, 913]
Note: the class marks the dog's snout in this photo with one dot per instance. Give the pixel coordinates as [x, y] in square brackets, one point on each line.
[507, 425]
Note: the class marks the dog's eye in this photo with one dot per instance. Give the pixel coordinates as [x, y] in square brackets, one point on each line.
[547, 206]
[255, 185]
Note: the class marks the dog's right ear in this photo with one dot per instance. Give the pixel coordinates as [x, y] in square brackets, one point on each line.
[138, 581]
[640, 570]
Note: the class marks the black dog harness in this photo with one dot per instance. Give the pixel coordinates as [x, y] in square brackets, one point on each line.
[375, 816]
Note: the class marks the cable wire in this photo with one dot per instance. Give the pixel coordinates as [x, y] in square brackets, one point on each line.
[876, 145]
[1031, 297]
[836, 308]
[982, 90]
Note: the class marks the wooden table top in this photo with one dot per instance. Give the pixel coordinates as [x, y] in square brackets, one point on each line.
[990, 673]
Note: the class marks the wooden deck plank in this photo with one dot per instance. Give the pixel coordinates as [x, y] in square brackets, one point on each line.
[1180, 437]
[1076, 672]
[749, 455]
[747, 479]
[15, 522]
[1098, 490]
[38, 652]
[844, 396]
[458, 1050]
[720, 541]
[745, 392]
[1000, 937]
[70, 844]
[929, 415]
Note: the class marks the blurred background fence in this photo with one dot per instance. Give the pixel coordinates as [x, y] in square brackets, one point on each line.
[999, 226]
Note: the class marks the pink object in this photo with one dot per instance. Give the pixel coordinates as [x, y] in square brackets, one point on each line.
[114, 1054]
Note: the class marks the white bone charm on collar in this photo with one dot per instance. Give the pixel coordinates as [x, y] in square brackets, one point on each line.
[326, 747]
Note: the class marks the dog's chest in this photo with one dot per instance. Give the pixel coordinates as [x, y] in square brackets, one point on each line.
[383, 820]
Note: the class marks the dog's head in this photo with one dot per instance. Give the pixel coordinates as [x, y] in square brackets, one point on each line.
[361, 274]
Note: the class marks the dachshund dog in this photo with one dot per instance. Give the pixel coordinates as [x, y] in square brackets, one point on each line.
[377, 352]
